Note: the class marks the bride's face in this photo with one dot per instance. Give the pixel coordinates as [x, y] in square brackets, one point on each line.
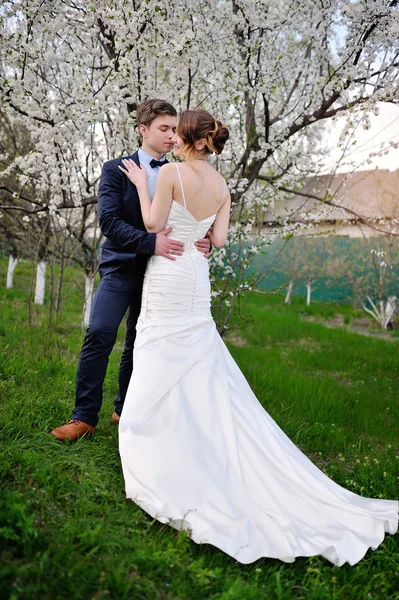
[177, 144]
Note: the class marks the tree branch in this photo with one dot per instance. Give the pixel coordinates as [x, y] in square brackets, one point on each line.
[324, 200]
[24, 113]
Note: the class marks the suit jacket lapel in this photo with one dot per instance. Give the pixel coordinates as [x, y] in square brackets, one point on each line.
[135, 157]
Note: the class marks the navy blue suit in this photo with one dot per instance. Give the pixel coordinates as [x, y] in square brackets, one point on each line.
[123, 261]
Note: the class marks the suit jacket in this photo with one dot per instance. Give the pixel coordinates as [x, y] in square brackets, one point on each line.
[128, 245]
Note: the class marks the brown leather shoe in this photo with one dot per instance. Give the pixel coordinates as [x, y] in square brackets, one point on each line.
[73, 430]
[115, 419]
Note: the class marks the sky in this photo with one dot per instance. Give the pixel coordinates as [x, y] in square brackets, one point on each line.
[384, 129]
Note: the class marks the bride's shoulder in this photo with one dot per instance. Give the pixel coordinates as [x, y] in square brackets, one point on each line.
[167, 170]
[217, 175]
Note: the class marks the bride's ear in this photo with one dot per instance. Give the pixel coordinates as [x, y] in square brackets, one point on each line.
[200, 145]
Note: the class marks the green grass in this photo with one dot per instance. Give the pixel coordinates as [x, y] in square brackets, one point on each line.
[67, 530]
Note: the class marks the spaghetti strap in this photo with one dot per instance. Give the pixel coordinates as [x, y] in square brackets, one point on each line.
[181, 185]
[224, 194]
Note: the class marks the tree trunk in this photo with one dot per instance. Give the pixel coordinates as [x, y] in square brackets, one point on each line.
[40, 282]
[12, 263]
[289, 292]
[384, 315]
[308, 293]
[59, 287]
[89, 292]
[390, 309]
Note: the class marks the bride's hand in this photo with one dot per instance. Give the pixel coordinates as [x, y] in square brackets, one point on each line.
[137, 175]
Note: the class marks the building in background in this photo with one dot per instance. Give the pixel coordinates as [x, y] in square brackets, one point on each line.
[366, 203]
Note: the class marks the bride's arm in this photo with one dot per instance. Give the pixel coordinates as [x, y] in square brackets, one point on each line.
[218, 233]
[154, 213]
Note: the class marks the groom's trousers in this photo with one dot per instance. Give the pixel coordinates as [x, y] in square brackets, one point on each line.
[115, 294]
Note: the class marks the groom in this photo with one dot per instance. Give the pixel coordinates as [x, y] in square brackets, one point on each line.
[123, 260]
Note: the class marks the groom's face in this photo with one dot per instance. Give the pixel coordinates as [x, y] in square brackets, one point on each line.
[157, 138]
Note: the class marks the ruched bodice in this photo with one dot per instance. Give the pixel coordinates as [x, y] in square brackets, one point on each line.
[178, 288]
[186, 228]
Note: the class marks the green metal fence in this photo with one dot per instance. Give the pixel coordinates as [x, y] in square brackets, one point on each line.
[341, 269]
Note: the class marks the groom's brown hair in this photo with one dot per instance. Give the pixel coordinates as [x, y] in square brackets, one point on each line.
[149, 110]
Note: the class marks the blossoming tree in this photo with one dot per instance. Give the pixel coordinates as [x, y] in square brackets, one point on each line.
[73, 73]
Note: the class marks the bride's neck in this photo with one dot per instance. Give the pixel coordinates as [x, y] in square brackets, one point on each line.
[201, 156]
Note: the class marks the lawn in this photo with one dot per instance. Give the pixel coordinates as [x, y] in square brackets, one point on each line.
[67, 530]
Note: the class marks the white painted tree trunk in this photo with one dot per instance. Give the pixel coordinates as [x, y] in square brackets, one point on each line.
[289, 292]
[391, 306]
[40, 282]
[89, 292]
[308, 293]
[12, 263]
[384, 314]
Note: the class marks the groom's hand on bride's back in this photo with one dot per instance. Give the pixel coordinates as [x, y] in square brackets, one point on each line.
[168, 247]
[204, 246]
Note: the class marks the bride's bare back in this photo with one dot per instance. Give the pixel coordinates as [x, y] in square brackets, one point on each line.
[203, 192]
[204, 188]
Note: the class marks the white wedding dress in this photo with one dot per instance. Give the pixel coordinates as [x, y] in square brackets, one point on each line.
[200, 453]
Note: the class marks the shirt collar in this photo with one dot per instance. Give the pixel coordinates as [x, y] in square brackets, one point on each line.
[146, 158]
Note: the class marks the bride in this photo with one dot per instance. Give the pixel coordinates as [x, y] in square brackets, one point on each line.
[198, 450]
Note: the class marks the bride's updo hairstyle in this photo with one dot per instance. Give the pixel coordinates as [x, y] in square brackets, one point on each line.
[197, 125]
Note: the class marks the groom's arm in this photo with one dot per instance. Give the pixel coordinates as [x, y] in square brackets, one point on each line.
[110, 215]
